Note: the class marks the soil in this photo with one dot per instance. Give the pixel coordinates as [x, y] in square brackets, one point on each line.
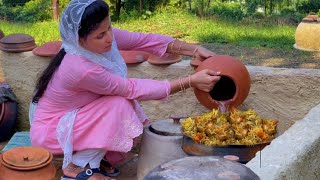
[286, 58]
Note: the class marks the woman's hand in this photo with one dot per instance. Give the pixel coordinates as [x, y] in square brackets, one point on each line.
[205, 80]
[202, 53]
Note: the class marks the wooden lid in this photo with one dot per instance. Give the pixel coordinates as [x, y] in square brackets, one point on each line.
[166, 59]
[48, 49]
[26, 158]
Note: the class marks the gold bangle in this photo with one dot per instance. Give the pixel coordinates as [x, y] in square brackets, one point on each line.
[172, 45]
[189, 79]
[180, 47]
[194, 51]
[183, 89]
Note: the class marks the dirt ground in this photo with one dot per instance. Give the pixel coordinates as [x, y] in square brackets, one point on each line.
[291, 58]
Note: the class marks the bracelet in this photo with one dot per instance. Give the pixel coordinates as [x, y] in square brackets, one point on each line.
[182, 88]
[189, 80]
[180, 47]
[172, 45]
[194, 51]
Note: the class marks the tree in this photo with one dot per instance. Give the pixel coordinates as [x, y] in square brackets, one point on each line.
[55, 7]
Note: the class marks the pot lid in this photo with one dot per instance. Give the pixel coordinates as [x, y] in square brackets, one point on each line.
[167, 127]
[166, 59]
[48, 49]
[26, 158]
[134, 57]
[16, 39]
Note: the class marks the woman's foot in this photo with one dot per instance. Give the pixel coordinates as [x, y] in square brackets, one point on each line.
[72, 171]
[109, 169]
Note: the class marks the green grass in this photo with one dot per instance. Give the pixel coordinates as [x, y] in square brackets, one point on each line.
[180, 25]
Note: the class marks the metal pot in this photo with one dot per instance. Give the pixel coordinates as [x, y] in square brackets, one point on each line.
[202, 168]
[161, 142]
[244, 152]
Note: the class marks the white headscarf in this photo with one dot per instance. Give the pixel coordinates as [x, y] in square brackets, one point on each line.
[69, 26]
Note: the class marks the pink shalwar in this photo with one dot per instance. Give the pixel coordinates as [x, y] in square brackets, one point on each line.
[107, 117]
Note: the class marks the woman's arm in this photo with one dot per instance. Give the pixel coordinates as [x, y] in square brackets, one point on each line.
[100, 81]
[189, 49]
[153, 43]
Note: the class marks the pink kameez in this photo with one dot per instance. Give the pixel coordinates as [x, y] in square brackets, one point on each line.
[107, 117]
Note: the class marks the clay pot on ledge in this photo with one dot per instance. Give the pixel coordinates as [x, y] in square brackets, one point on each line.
[233, 87]
[17, 43]
[27, 163]
[166, 59]
[307, 35]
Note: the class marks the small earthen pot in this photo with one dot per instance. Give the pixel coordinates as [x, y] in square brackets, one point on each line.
[32, 163]
[233, 87]
[48, 49]
[134, 57]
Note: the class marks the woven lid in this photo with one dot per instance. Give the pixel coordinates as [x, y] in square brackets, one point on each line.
[26, 158]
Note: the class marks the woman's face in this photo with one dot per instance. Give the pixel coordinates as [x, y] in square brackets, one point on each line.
[99, 40]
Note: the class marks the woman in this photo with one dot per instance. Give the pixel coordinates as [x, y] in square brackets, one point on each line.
[84, 106]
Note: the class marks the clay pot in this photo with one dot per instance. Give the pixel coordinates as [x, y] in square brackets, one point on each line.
[17, 43]
[48, 49]
[8, 117]
[307, 35]
[166, 59]
[134, 57]
[1, 34]
[233, 87]
[32, 163]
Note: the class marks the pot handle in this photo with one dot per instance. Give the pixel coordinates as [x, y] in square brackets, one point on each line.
[176, 118]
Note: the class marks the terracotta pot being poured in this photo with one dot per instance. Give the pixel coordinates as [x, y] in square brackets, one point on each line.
[32, 163]
[233, 87]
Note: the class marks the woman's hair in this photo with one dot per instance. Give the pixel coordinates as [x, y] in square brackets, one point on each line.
[93, 15]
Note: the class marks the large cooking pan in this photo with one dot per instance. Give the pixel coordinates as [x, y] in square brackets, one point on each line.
[244, 152]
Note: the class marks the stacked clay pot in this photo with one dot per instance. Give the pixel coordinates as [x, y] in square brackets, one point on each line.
[233, 87]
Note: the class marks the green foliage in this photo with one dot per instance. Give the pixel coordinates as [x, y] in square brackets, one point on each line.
[230, 11]
[35, 10]
[181, 25]
[14, 2]
[32, 11]
[309, 6]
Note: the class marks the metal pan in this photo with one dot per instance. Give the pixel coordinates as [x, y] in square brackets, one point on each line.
[244, 152]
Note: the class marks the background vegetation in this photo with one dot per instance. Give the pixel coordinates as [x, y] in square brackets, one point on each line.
[253, 23]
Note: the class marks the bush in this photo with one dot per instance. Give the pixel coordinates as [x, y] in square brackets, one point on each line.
[32, 11]
[309, 6]
[14, 2]
[230, 11]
